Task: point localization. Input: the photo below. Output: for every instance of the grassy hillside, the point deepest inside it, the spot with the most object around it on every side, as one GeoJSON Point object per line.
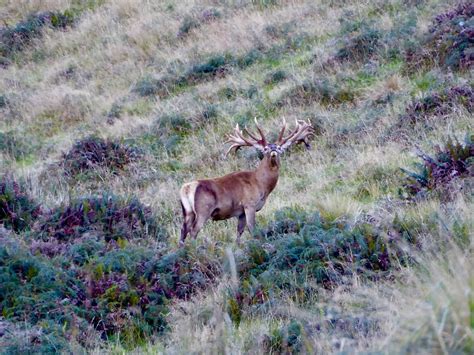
{"type": "Point", "coordinates": [107, 107]}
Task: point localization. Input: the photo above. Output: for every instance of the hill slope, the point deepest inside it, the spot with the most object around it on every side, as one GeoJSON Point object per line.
{"type": "Point", "coordinates": [107, 107]}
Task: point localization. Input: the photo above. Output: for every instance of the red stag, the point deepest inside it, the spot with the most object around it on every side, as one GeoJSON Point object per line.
{"type": "Point", "coordinates": [239, 194]}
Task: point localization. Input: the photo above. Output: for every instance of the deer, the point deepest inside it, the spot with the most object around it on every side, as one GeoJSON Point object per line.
{"type": "Point", "coordinates": [243, 193]}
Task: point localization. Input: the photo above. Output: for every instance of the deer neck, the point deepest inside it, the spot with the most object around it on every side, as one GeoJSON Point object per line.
{"type": "Point", "coordinates": [267, 173]}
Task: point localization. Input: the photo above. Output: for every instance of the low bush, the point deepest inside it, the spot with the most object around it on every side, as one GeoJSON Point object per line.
{"type": "Point", "coordinates": [152, 86]}
{"type": "Point", "coordinates": [80, 279]}
{"type": "Point", "coordinates": [3, 101]}
{"type": "Point", "coordinates": [213, 66]}
{"type": "Point", "coordinates": [18, 210]}
{"type": "Point", "coordinates": [115, 111]}
{"type": "Point", "coordinates": [14, 39]}
{"type": "Point", "coordinates": [217, 65]}
{"type": "Point", "coordinates": [27, 339]}
{"type": "Point", "coordinates": [324, 92]}
{"type": "Point", "coordinates": [192, 22]}
{"type": "Point", "coordinates": [189, 23]}
{"type": "Point", "coordinates": [440, 103]}
{"type": "Point", "coordinates": [436, 173]}
{"type": "Point", "coordinates": [434, 105]}
{"type": "Point", "coordinates": [449, 42]}
{"type": "Point", "coordinates": [298, 252]}
{"type": "Point", "coordinates": [275, 77]}
{"type": "Point", "coordinates": [285, 340]}
{"type": "Point", "coordinates": [173, 122]}
{"type": "Point", "coordinates": [109, 216]}
{"type": "Point", "coordinates": [359, 45]}
{"type": "Point", "coordinates": [207, 113]}
{"type": "Point", "coordinates": [93, 152]}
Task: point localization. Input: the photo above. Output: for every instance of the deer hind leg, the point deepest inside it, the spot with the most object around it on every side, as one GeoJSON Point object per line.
{"type": "Point", "coordinates": [198, 224]}
{"type": "Point", "coordinates": [187, 194]}
{"type": "Point", "coordinates": [240, 226]}
{"type": "Point", "coordinates": [188, 220]}
{"type": "Point", "coordinates": [204, 207]}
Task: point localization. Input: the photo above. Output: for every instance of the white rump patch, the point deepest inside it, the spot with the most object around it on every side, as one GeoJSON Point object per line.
{"type": "Point", "coordinates": [187, 193]}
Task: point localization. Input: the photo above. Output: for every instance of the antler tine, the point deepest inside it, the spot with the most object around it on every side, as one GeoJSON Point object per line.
{"type": "Point", "coordinates": [250, 134]}
{"type": "Point", "coordinates": [264, 141]}
{"type": "Point", "coordinates": [301, 132]}
{"type": "Point", "coordinates": [280, 136]}
{"type": "Point", "coordinates": [291, 134]}
{"type": "Point", "coordinates": [238, 140]}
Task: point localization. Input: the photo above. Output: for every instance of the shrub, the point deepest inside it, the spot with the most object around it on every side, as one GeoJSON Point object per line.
{"type": "Point", "coordinates": [214, 66]}
{"type": "Point", "coordinates": [14, 39]}
{"type": "Point", "coordinates": [449, 41]}
{"type": "Point", "coordinates": [441, 103]}
{"type": "Point", "coordinates": [227, 93]}
{"type": "Point", "coordinates": [18, 210]}
{"type": "Point", "coordinates": [435, 104]}
{"type": "Point", "coordinates": [189, 23]}
{"type": "Point", "coordinates": [192, 22]}
{"type": "Point", "coordinates": [3, 101]}
{"type": "Point", "coordinates": [207, 113]}
{"type": "Point", "coordinates": [94, 286]}
{"type": "Point", "coordinates": [299, 250]}
{"type": "Point", "coordinates": [360, 45]}
{"type": "Point", "coordinates": [249, 58]}
{"type": "Point", "coordinates": [33, 291]}
{"type": "Point", "coordinates": [93, 152]}
{"type": "Point", "coordinates": [275, 77]}
{"type": "Point", "coordinates": [173, 122]}
{"type": "Point", "coordinates": [324, 92]}
{"type": "Point", "coordinates": [26, 339]}
{"type": "Point", "coordinates": [286, 339]}
{"type": "Point", "coordinates": [151, 86]}
{"type": "Point", "coordinates": [11, 146]}
{"type": "Point", "coordinates": [453, 162]}
{"type": "Point", "coordinates": [108, 216]}
{"type": "Point", "coordinates": [115, 111]}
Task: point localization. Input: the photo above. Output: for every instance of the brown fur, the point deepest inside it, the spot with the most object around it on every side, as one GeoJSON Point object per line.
{"type": "Point", "coordinates": [239, 194]}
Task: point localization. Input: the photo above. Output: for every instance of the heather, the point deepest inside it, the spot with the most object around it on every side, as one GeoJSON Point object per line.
{"type": "Point", "coordinates": [93, 153]}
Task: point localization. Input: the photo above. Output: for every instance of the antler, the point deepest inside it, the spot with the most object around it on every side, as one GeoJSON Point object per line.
{"type": "Point", "coordinates": [300, 134]}
{"type": "Point", "coordinates": [238, 140]}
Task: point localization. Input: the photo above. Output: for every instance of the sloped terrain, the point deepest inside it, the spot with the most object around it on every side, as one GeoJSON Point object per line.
{"type": "Point", "coordinates": [107, 107]}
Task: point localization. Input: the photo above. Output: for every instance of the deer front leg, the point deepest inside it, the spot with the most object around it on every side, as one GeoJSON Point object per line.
{"type": "Point", "coordinates": [240, 226]}
{"type": "Point", "coordinates": [250, 217]}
